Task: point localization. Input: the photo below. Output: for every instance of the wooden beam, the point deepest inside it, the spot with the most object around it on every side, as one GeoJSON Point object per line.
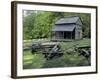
{"type": "Point", "coordinates": [63, 34]}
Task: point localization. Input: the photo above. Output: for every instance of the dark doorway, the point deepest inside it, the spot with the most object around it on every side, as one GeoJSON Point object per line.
{"type": "Point", "coordinates": [73, 34]}
{"type": "Point", "coordinates": [67, 35]}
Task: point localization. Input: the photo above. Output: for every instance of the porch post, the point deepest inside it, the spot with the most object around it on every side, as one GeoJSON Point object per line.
{"type": "Point", "coordinates": [63, 34]}
{"type": "Point", "coordinates": [71, 35]}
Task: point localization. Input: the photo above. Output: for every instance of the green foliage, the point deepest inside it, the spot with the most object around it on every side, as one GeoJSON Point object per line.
{"type": "Point", "coordinates": [38, 24]}
{"type": "Point", "coordinates": [28, 26]}
{"type": "Point", "coordinates": [42, 26]}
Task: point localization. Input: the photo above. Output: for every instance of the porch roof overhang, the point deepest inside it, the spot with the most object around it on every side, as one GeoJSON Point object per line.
{"type": "Point", "coordinates": [63, 28]}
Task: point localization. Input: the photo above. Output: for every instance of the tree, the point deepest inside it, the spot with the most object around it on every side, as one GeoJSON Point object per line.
{"type": "Point", "coordinates": [28, 26]}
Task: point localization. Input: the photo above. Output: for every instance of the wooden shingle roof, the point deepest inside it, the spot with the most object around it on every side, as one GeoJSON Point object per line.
{"type": "Point", "coordinates": [67, 20]}
{"type": "Point", "coordinates": [70, 27]}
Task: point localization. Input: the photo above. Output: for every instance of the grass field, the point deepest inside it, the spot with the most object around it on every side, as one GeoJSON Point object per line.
{"type": "Point", "coordinates": [31, 61]}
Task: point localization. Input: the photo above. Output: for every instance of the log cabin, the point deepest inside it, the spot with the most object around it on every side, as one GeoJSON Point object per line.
{"type": "Point", "coordinates": [69, 28]}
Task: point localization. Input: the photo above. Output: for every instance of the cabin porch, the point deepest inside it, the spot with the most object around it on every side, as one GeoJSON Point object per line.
{"type": "Point", "coordinates": [63, 35]}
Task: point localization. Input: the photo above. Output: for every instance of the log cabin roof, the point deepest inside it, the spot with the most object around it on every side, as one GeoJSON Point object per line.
{"type": "Point", "coordinates": [67, 20]}
{"type": "Point", "coordinates": [64, 27]}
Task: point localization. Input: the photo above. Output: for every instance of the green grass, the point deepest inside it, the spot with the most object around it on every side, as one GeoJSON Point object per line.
{"type": "Point", "coordinates": [31, 61]}
{"type": "Point", "coordinates": [70, 44]}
